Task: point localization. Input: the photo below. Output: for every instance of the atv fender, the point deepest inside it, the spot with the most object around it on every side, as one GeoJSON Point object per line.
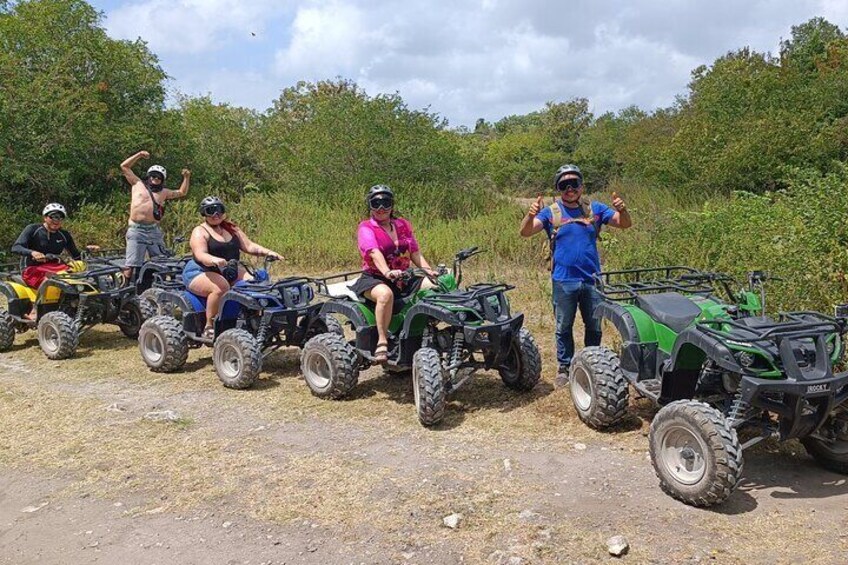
{"type": "Point", "coordinates": [691, 349]}
{"type": "Point", "coordinates": [639, 359]}
{"type": "Point", "coordinates": [366, 334]}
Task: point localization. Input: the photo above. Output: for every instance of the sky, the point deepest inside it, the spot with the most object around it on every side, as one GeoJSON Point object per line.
{"type": "Point", "coordinates": [461, 59]}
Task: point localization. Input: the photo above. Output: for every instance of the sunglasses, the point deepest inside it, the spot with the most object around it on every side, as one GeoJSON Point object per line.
{"type": "Point", "coordinates": [381, 203]}
{"type": "Point", "coordinates": [56, 216]}
{"type": "Point", "coordinates": [157, 176]}
{"type": "Point", "coordinates": [214, 210]}
{"type": "Point", "coordinates": [569, 184]}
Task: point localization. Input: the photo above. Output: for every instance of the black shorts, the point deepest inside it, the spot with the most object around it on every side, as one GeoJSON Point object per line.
{"type": "Point", "coordinates": [367, 281]}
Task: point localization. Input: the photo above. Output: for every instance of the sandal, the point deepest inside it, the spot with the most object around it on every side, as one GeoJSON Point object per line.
{"type": "Point", "coordinates": [208, 333]}
{"type": "Point", "coordinates": [381, 353]}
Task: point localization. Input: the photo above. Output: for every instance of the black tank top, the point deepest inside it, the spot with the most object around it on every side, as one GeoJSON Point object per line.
{"type": "Point", "coordinates": [228, 250]}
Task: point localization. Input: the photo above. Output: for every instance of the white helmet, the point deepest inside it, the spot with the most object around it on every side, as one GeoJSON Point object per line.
{"type": "Point", "coordinates": [54, 207]}
{"type": "Point", "coordinates": [158, 169]}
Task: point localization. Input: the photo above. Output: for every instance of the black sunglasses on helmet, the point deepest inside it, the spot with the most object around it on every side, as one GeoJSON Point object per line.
{"type": "Point", "coordinates": [566, 184]}
{"type": "Point", "coordinates": [213, 210]}
{"type": "Point", "coordinates": [381, 202]}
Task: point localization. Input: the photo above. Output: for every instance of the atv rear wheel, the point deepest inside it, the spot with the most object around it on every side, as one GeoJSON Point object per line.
{"type": "Point", "coordinates": [58, 335]}
{"type": "Point", "coordinates": [428, 386]}
{"type": "Point", "coordinates": [163, 344]}
{"type": "Point", "coordinates": [695, 453]}
{"type": "Point", "coordinates": [599, 390]}
{"type": "Point", "coordinates": [830, 455]}
{"type": "Point", "coordinates": [149, 302]}
{"type": "Point", "coordinates": [237, 357]}
{"type": "Point", "coordinates": [329, 365]}
{"type": "Point", "coordinates": [7, 330]}
{"type": "Point", "coordinates": [522, 368]}
{"type": "Point", "coordinates": [130, 318]}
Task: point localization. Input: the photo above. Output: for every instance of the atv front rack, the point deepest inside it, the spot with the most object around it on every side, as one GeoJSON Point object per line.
{"type": "Point", "coordinates": [478, 294]}
{"type": "Point", "coordinates": [628, 284]}
{"type": "Point", "coordinates": [789, 325]}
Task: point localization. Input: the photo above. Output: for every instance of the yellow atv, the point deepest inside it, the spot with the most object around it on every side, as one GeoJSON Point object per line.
{"type": "Point", "coordinates": [66, 305]}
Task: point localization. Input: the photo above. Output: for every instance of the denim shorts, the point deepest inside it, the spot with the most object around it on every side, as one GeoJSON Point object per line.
{"type": "Point", "coordinates": [191, 271]}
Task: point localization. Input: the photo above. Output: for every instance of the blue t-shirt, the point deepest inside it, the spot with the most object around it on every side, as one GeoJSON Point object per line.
{"type": "Point", "coordinates": [576, 252]}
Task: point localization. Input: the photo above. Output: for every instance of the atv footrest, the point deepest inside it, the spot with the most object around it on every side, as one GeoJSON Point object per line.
{"type": "Point", "coordinates": [649, 388]}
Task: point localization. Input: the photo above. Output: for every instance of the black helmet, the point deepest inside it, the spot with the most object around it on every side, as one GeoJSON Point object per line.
{"type": "Point", "coordinates": [567, 170]}
{"type": "Point", "coordinates": [377, 190]}
{"type": "Point", "coordinates": [208, 202]}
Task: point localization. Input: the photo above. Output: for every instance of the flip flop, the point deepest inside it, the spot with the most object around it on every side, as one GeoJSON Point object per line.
{"type": "Point", "coordinates": [381, 353]}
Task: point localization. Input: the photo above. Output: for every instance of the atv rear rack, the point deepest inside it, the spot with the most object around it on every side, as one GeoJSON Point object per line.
{"type": "Point", "coordinates": [628, 284]}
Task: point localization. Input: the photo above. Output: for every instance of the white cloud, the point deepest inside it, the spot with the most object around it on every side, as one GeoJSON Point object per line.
{"type": "Point", "coordinates": [464, 59]}
{"type": "Point", "coordinates": [190, 26]}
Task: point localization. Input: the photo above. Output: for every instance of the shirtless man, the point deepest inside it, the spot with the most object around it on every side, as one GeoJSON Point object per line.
{"type": "Point", "coordinates": [144, 237]}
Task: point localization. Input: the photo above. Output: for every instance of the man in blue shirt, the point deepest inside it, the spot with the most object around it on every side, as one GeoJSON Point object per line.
{"type": "Point", "coordinates": [573, 223]}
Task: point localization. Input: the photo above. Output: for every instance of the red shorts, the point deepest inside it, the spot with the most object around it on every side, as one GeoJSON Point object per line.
{"type": "Point", "coordinates": [34, 275]}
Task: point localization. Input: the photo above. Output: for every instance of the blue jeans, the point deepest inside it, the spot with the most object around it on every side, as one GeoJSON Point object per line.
{"type": "Point", "coordinates": [567, 297]}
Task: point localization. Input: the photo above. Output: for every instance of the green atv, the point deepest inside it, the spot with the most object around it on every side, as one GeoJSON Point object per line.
{"type": "Point", "coordinates": [442, 334]}
{"type": "Point", "coordinates": [715, 363]}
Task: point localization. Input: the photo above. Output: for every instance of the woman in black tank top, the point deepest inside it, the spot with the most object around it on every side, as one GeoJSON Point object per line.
{"type": "Point", "coordinates": [216, 246]}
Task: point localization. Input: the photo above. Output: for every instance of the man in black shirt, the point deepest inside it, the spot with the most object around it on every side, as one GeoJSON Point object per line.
{"type": "Point", "coordinates": [48, 238]}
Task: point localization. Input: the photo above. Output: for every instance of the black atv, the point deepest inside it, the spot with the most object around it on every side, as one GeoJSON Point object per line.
{"type": "Point", "coordinates": [256, 318]}
{"type": "Point", "coordinates": [715, 363]}
{"type": "Point", "coordinates": [66, 305]}
{"type": "Point", "coordinates": [443, 334]}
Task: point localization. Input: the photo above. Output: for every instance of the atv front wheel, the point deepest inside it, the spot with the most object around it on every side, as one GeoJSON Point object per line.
{"type": "Point", "coordinates": [130, 318]}
{"type": "Point", "coordinates": [7, 330]}
{"type": "Point", "coordinates": [330, 366]}
{"type": "Point", "coordinates": [237, 357]}
{"type": "Point", "coordinates": [163, 344]}
{"type": "Point", "coordinates": [695, 453]}
{"type": "Point", "coordinates": [598, 388]}
{"type": "Point", "coordinates": [522, 368]}
{"type": "Point", "coordinates": [428, 386]}
{"type": "Point", "coordinates": [323, 325]}
{"type": "Point", "coordinates": [832, 455]}
{"type": "Point", "coordinates": [58, 335]}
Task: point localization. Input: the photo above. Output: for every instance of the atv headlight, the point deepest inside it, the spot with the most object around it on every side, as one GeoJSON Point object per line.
{"type": "Point", "coordinates": [746, 359]}
{"type": "Point", "coordinates": [263, 302]}
{"type": "Point", "coordinates": [831, 346]}
{"type": "Point", "coordinates": [461, 316]}
{"type": "Point", "coordinates": [80, 287]}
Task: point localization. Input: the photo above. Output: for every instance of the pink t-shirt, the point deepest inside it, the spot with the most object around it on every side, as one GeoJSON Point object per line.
{"type": "Point", "coordinates": [371, 236]}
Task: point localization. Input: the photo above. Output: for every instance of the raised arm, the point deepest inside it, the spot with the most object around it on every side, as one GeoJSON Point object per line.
{"type": "Point", "coordinates": [530, 224]}
{"type": "Point", "coordinates": [129, 163]}
{"type": "Point", "coordinates": [183, 190]}
{"type": "Point", "coordinates": [621, 218]}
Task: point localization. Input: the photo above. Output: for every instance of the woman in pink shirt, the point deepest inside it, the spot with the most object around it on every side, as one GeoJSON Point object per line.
{"type": "Point", "coordinates": [388, 247]}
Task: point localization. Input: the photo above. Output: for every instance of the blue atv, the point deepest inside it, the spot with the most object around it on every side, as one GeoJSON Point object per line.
{"type": "Point", "coordinates": [257, 317]}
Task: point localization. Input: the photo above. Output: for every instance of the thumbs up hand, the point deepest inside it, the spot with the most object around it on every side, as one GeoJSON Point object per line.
{"type": "Point", "coordinates": [617, 202]}
{"type": "Point", "coordinates": [536, 206]}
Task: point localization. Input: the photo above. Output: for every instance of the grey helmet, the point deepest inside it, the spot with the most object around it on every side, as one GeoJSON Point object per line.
{"type": "Point", "coordinates": [567, 170]}
{"type": "Point", "coordinates": [208, 202]}
{"type": "Point", "coordinates": [377, 190]}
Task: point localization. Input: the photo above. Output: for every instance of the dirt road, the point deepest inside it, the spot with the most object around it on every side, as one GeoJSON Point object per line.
{"type": "Point", "coordinates": [274, 475]}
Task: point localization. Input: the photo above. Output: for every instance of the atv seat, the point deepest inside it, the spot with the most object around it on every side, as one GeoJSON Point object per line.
{"type": "Point", "coordinates": [342, 290]}
{"type": "Point", "coordinates": [671, 309]}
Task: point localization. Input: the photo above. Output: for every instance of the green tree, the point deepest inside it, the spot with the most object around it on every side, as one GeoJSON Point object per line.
{"type": "Point", "coordinates": [72, 102]}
